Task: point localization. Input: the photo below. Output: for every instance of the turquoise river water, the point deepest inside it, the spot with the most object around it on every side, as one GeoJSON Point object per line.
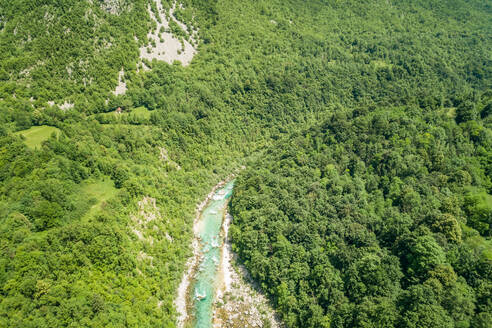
{"type": "Point", "coordinates": [205, 281]}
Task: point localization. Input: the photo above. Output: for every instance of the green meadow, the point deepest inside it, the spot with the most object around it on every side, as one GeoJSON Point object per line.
{"type": "Point", "coordinates": [35, 135]}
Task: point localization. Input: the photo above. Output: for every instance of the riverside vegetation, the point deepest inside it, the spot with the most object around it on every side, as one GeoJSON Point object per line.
{"type": "Point", "coordinates": [365, 127]}
{"type": "Point", "coordinates": [374, 218]}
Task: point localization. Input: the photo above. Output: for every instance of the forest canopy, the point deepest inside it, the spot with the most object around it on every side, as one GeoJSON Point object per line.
{"type": "Point", "coordinates": [375, 217]}
{"type": "Point", "coordinates": [364, 125]}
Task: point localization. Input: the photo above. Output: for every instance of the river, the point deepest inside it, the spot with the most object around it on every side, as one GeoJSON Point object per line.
{"type": "Point", "coordinates": [205, 282]}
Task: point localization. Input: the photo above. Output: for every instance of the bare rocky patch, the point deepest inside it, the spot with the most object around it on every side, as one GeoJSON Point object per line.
{"type": "Point", "coordinates": [164, 156]}
{"type": "Point", "coordinates": [147, 212]}
{"type": "Point", "coordinates": [121, 87]}
{"type": "Point", "coordinates": [163, 44]}
{"type": "Point", "coordinates": [65, 106]}
{"type": "Point", "coordinates": [114, 7]}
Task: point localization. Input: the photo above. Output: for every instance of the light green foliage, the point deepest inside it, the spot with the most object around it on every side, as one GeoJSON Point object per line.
{"type": "Point", "coordinates": [478, 205]}
{"type": "Point", "coordinates": [99, 192]}
{"type": "Point", "coordinates": [35, 136]}
{"type": "Point", "coordinates": [480, 244]}
{"type": "Point", "coordinates": [52, 51]}
{"type": "Point", "coordinates": [265, 71]}
{"type": "Point", "coordinates": [139, 115]}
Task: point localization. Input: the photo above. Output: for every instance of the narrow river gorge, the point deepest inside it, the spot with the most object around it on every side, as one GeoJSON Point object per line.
{"type": "Point", "coordinates": [206, 278]}
{"type": "Point", "coordinates": [213, 293]}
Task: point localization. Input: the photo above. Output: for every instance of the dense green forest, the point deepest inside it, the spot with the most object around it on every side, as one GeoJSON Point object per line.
{"type": "Point", "coordinates": [369, 123]}
{"type": "Point", "coordinates": [374, 218]}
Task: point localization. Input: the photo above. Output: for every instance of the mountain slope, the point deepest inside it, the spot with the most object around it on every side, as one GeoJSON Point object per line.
{"type": "Point", "coordinates": [364, 220]}
{"type": "Point", "coordinates": [264, 69]}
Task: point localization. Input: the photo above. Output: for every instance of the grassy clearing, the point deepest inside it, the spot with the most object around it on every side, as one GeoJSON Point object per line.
{"type": "Point", "coordinates": [99, 191]}
{"type": "Point", "coordinates": [140, 113]}
{"type": "Point", "coordinates": [37, 134]}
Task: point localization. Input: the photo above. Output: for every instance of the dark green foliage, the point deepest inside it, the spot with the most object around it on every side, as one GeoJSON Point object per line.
{"type": "Point", "coordinates": [359, 218]}
{"type": "Point", "coordinates": [367, 214]}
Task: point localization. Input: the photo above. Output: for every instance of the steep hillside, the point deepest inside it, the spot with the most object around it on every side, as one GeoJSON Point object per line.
{"type": "Point", "coordinates": [95, 219]}
{"type": "Point", "coordinates": [373, 218]}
